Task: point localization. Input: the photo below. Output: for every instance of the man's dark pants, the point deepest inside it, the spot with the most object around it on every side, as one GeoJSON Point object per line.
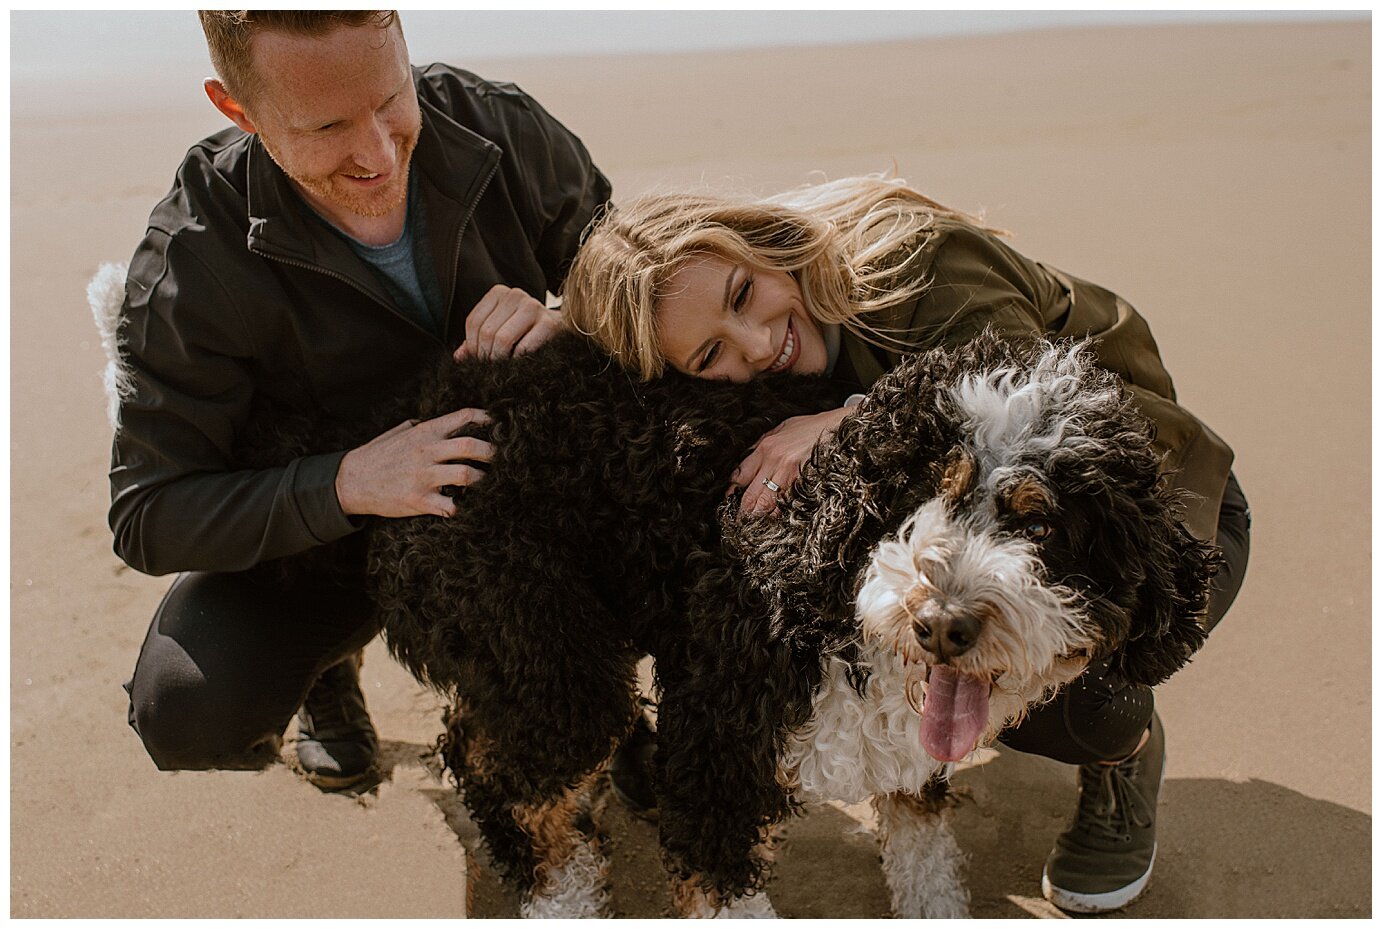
{"type": "Point", "coordinates": [230, 657]}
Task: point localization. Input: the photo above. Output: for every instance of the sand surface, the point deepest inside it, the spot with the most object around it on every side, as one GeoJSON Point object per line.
{"type": "Point", "coordinates": [1216, 176]}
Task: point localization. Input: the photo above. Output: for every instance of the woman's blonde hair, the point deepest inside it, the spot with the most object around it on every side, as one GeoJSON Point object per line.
{"type": "Point", "coordinates": [851, 245]}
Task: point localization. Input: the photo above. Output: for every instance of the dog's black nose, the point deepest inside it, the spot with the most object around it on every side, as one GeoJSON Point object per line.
{"type": "Point", "coordinates": [946, 633]}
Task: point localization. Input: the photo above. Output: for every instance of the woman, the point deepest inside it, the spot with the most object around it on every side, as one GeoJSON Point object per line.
{"type": "Point", "coordinates": [845, 278]}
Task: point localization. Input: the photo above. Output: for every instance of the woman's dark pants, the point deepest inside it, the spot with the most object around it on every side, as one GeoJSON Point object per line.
{"type": "Point", "coordinates": [1101, 717]}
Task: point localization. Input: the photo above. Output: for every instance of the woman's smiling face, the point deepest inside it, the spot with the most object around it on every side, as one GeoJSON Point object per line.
{"type": "Point", "coordinates": [737, 322]}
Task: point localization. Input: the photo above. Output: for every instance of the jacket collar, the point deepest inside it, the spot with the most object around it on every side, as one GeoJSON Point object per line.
{"type": "Point", "coordinates": [455, 161]}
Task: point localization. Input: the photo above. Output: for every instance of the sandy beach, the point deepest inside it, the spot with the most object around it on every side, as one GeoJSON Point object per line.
{"type": "Point", "coordinates": [1218, 176]}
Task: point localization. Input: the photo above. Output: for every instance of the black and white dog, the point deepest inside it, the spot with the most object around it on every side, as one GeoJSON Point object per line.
{"type": "Point", "coordinates": [986, 522]}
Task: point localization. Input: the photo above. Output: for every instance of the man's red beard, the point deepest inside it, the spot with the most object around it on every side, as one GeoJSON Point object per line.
{"type": "Point", "coordinates": [372, 203]}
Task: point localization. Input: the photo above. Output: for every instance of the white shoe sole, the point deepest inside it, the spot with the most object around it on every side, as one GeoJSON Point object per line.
{"type": "Point", "coordinates": [1096, 903]}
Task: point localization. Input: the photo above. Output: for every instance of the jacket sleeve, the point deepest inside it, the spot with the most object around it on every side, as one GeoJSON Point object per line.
{"type": "Point", "coordinates": [978, 280]}
{"type": "Point", "coordinates": [564, 187]}
{"type": "Point", "coordinates": [178, 503]}
{"type": "Point", "coordinates": [555, 185]}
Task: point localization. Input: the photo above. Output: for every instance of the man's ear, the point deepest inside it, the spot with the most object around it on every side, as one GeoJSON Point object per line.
{"type": "Point", "coordinates": [223, 101]}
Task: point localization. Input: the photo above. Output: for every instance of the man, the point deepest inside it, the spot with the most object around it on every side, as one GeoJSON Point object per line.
{"type": "Point", "coordinates": [359, 216]}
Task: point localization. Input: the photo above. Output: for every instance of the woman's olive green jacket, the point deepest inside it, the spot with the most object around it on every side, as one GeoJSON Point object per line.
{"type": "Point", "coordinates": [976, 280]}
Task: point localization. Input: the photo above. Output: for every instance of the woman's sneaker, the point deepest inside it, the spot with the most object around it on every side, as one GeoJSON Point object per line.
{"type": "Point", "coordinates": [1105, 860]}
{"type": "Point", "coordinates": [336, 740]}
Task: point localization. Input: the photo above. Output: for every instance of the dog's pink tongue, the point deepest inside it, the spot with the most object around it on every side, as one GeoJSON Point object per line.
{"type": "Point", "coordinates": [954, 714]}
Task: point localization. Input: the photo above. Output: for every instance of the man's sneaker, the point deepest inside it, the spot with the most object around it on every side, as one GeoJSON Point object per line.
{"type": "Point", "coordinates": [336, 740]}
{"type": "Point", "coordinates": [1104, 861]}
{"type": "Point", "coordinates": [630, 770]}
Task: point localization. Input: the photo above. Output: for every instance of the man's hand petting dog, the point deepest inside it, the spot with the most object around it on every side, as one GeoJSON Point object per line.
{"type": "Point", "coordinates": [415, 468]}
{"type": "Point", "coordinates": [405, 471]}
{"type": "Point", "coordinates": [773, 465]}
{"type": "Point", "coordinates": [507, 321]}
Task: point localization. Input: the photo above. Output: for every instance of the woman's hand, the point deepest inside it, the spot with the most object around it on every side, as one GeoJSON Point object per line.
{"type": "Point", "coordinates": [778, 457]}
{"type": "Point", "coordinates": [507, 321]}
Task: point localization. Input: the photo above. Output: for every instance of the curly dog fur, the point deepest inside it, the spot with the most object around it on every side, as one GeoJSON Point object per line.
{"type": "Point", "coordinates": [992, 514]}
{"type": "Point", "coordinates": [570, 560]}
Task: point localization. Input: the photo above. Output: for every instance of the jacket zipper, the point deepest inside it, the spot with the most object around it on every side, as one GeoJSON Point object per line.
{"type": "Point", "coordinates": [460, 233]}
{"type": "Point", "coordinates": [345, 280]}
{"type": "Point", "coordinates": [455, 265]}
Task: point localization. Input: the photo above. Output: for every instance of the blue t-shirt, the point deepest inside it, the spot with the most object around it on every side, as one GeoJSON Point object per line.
{"type": "Point", "coordinates": [405, 266]}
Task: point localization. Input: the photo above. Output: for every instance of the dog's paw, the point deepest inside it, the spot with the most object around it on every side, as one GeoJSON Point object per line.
{"type": "Point", "coordinates": [576, 889]}
{"type": "Point", "coordinates": [757, 906]}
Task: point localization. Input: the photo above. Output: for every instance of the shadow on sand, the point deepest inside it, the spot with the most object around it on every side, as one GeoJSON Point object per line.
{"type": "Point", "coordinates": [1225, 849]}
{"type": "Point", "coordinates": [1253, 858]}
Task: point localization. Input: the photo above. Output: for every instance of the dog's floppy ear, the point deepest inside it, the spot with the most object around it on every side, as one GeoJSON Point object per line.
{"type": "Point", "coordinates": [807, 560]}
{"type": "Point", "coordinates": [885, 460]}
{"type": "Point", "coordinates": [1168, 617]}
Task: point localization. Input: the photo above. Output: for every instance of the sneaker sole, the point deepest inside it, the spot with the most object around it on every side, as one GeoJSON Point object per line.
{"type": "Point", "coordinates": [330, 782]}
{"type": "Point", "coordinates": [323, 780]}
{"type": "Point", "coordinates": [1096, 903]}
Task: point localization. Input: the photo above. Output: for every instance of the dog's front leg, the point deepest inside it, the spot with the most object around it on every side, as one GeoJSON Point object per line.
{"type": "Point", "coordinates": [539, 845]}
{"type": "Point", "coordinates": [571, 878]}
{"type": "Point", "coordinates": [921, 860]}
{"type": "Point", "coordinates": [718, 793]}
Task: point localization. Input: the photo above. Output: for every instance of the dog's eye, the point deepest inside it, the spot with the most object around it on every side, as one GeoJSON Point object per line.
{"type": "Point", "coordinates": [1038, 530]}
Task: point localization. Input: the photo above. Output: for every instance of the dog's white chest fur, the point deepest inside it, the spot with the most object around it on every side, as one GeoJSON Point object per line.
{"type": "Point", "coordinates": [857, 746]}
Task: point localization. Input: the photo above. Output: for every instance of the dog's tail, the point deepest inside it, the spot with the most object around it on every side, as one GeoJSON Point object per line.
{"type": "Point", "coordinates": [106, 295]}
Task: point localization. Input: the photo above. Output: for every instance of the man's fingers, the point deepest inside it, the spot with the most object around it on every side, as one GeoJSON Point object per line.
{"type": "Point", "coordinates": [506, 321]}
{"type": "Point", "coordinates": [466, 448]}
{"type": "Point", "coordinates": [478, 314]}
{"type": "Point", "coordinates": [548, 324]}
{"type": "Point", "coordinates": [439, 504]}
{"type": "Point", "coordinates": [506, 336]}
{"type": "Point", "coordinates": [515, 314]}
{"type": "Point", "coordinates": [402, 472]}
{"type": "Point", "coordinates": [448, 423]}
{"type": "Point", "coordinates": [456, 475]}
